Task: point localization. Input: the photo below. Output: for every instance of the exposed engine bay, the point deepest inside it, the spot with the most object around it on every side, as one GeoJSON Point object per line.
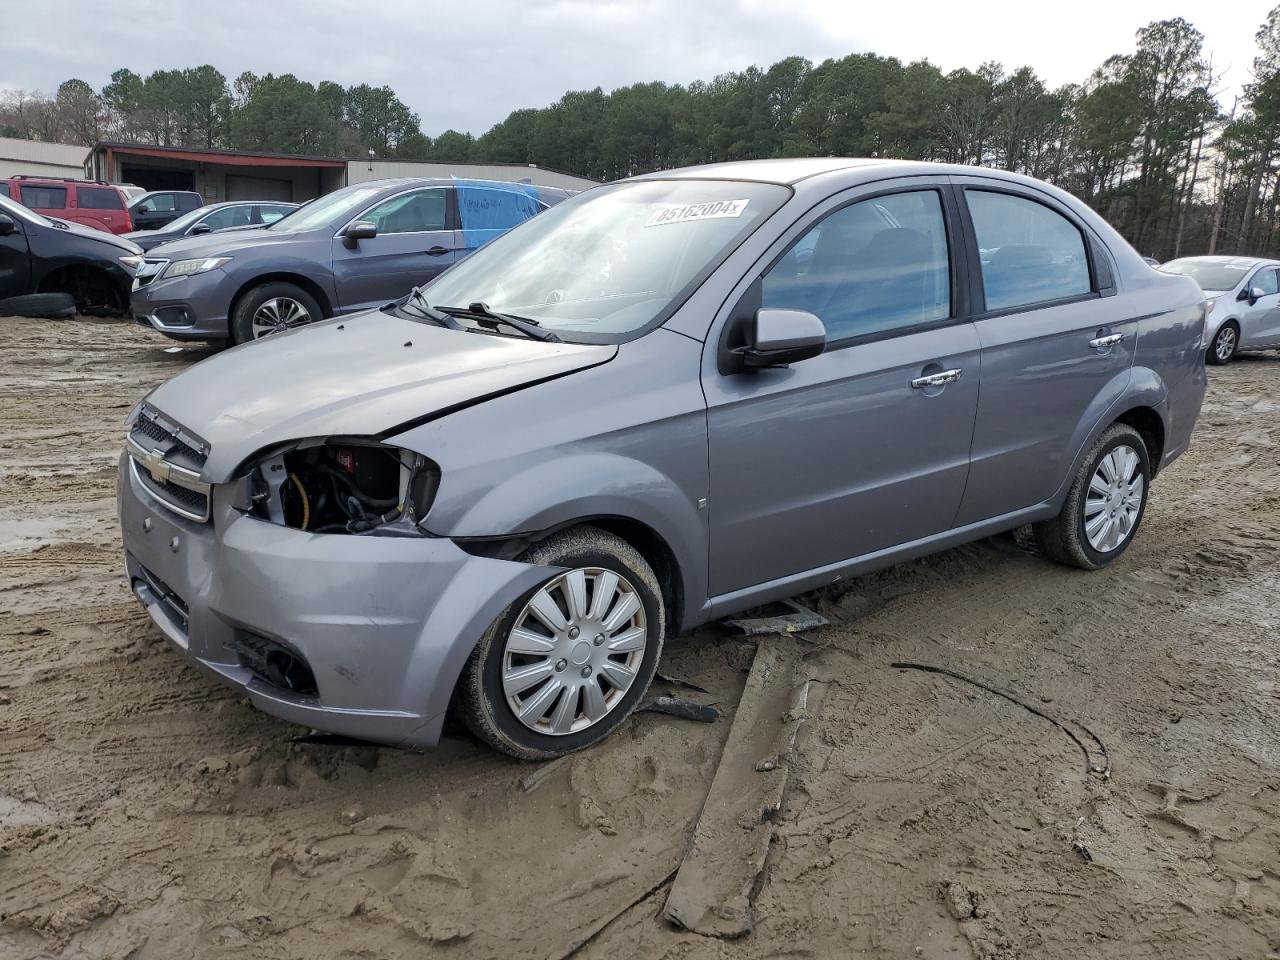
{"type": "Point", "coordinates": [344, 486]}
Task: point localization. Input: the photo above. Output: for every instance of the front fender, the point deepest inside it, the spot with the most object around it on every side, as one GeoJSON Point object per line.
{"type": "Point", "coordinates": [592, 485]}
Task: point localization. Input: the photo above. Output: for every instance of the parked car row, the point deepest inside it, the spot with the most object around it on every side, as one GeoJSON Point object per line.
{"type": "Point", "coordinates": [661, 402]}
{"type": "Point", "coordinates": [115, 208]}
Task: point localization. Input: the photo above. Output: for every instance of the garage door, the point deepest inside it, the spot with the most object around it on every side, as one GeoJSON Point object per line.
{"type": "Point", "coordinates": [258, 188]}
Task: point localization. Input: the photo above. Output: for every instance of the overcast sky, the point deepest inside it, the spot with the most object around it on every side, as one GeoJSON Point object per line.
{"type": "Point", "coordinates": [467, 65]}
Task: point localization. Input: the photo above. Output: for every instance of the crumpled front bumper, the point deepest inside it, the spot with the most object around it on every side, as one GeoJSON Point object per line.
{"type": "Point", "coordinates": [385, 624]}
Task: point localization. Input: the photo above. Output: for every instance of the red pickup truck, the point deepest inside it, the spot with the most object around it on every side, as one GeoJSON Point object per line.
{"type": "Point", "coordinates": [86, 202]}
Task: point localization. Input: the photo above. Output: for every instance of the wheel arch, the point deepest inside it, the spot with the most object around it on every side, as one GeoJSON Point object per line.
{"type": "Point", "coordinates": [1151, 427]}
{"type": "Point", "coordinates": [280, 276]}
{"type": "Point", "coordinates": [647, 541]}
{"type": "Point", "coordinates": [71, 278]}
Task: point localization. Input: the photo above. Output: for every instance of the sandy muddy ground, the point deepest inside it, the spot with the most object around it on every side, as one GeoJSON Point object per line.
{"type": "Point", "coordinates": [147, 813]}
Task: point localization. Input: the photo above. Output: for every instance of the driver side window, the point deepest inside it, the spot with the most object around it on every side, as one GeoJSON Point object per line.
{"type": "Point", "coordinates": [416, 212]}
{"type": "Point", "coordinates": [1266, 279]}
{"type": "Point", "coordinates": [878, 265]}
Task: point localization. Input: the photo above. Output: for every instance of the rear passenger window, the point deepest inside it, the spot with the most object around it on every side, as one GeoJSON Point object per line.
{"type": "Point", "coordinates": [98, 198]}
{"type": "Point", "coordinates": [44, 198]}
{"type": "Point", "coordinates": [1030, 254]}
{"type": "Point", "coordinates": [874, 266]}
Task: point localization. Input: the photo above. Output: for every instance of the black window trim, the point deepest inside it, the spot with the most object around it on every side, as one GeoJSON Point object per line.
{"type": "Point", "coordinates": [974, 271]}
{"type": "Point", "coordinates": [956, 250]}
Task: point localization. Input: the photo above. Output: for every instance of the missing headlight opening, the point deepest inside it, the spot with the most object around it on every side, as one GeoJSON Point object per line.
{"type": "Point", "coordinates": [348, 487]}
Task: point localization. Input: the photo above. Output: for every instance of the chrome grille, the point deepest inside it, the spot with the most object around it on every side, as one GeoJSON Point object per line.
{"type": "Point", "coordinates": [189, 503]}
{"type": "Point", "coordinates": [149, 433]}
{"type": "Point", "coordinates": [166, 461]}
{"type": "Point", "coordinates": [148, 270]}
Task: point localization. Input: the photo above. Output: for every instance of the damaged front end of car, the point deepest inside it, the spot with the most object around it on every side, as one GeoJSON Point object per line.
{"type": "Point", "coordinates": [339, 485]}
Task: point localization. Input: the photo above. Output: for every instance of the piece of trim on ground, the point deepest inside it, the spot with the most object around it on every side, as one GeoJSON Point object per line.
{"type": "Point", "coordinates": [715, 888]}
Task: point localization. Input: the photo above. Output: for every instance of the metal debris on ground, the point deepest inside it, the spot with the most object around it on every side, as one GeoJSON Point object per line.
{"type": "Point", "coordinates": [785, 616]}
{"type": "Point", "coordinates": [680, 707]}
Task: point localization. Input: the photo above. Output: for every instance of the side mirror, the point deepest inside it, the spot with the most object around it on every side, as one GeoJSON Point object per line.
{"type": "Point", "coordinates": [782, 337]}
{"type": "Point", "coordinates": [359, 230]}
{"type": "Point", "coordinates": [8, 226]}
{"type": "Point", "coordinates": [200, 228]}
{"type": "Point", "coordinates": [142, 208]}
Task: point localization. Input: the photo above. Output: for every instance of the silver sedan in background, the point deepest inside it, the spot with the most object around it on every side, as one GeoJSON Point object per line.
{"type": "Point", "coordinates": [1244, 302]}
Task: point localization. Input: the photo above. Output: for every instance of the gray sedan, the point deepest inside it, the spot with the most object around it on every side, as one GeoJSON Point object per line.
{"type": "Point", "coordinates": [659, 403]}
{"type": "Point", "coordinates": [347, 251]}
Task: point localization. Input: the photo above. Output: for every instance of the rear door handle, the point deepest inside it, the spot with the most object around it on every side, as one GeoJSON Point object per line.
{"type": "Point", "coordinates": [438, 251]}
{"type": "Point", "coordinates": [940, 379]}
{"type": "Point", "coordinates": [1110, 340]}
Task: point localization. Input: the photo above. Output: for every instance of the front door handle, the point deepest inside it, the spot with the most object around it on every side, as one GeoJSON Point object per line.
{"type": "Point", "coordinates": [940, 379]}
{"type": "Point", "coordinates": [437, 251]}
{"type": "Point", "coordinates": [1109, 340]}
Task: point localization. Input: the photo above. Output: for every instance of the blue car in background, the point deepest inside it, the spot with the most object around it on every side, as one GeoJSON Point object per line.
{"type": "Point", "coordinates": [355, 248]}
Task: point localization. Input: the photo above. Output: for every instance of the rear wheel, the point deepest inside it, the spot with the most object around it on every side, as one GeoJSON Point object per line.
{"type": "Point", "coordinates": [1105, 504]}
{"type": "Point", "coordinates": [564, 665]}
{"type": "Point", "coordinates": [1225, 343]}
{"type": "Point", "coordinates": [271, 308]}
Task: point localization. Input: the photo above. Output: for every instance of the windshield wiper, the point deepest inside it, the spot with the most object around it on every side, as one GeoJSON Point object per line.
{"type": "Point", "coordinates": [480, 312]}
{"type": "Point", "coordinates": [416, 303]}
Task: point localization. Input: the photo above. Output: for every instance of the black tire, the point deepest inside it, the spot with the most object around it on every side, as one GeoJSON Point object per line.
{"type": "Point", "coordinates": [1224, 346]}
{"type": "Point", "coordinates": [39, 305]}
{"type": "Point", "coordinates": [480, 699]}
{"type": "Point", "coordinates": [242, 316]}
{"type": "Point", "coordinates": [1064, 538]}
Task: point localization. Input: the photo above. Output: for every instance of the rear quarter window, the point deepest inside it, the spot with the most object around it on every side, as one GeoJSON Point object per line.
{"type": "Point", "coordinates": [98, 198]}
{"type": "Point", "coordinates": [44, 198]}
{"type": "Point", "coordinates": [4, 190]}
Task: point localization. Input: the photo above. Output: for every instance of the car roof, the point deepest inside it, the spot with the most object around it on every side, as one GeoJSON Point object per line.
{"type": "Point", "coordinates": [1226, 259]}
{"type": "Point", "coordinates": [780, 170]}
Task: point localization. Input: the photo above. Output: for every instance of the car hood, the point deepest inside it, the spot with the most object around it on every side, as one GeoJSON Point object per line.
{"type": "Point", "coordinates": [110, 239]}
{"type": "Point", "coordinates": [220, 244]}
{"type": "Point", "coordinates": [367, 374]}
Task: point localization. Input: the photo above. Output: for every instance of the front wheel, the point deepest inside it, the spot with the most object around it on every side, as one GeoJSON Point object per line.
{"type": "Point", "coordinates": [1225, 343]}
{"type": "Point", "coordinates": [271, 308]}
{"type": "Point", "coordinates": [564, 665]}
{"type": "Point", "coordinates": [1105, 504]}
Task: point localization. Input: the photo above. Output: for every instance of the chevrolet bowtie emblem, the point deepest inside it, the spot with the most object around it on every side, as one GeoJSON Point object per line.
{"type": "Point", "coordinates": [156, 466]}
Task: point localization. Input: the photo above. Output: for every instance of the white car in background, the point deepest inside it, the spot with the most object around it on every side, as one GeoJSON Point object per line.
{"type": "Point", "coordinates": [1244, 302]}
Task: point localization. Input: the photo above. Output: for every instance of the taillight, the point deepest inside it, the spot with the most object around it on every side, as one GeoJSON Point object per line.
{"type": "Point", "coordinates": [1206, 308]}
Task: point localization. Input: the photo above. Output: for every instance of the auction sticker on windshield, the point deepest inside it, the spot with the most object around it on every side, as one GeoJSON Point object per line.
{"type": "Point", "coordinates": [683, 213]}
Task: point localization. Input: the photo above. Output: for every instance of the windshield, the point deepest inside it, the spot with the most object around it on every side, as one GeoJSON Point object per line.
{"type": "Point", "coordinates": [320, 212]}
{"type": "Point", "coordinates": [1211, 274]}
{"type": "Point", "coordinates": [187, 219]}
{"type": "Point", "coordinates": [15, 209]}
{"type": "Point", "coordinates": [611, 261]}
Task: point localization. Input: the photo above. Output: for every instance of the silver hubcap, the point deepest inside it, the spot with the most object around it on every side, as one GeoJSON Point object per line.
{"type": "Point", "coordinates": [1226, 343]}
{"type": "Point", "coordinates": [1115, 499]}
{"type": "Point", "coordinates": [574, 651]}
{"type": "Point", "coordinates": [277, 315]}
